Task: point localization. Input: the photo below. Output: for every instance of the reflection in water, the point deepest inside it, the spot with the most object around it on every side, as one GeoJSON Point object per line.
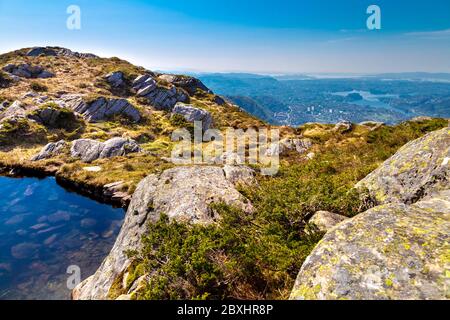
{"type": "Point", "coordinates": [43, 230]}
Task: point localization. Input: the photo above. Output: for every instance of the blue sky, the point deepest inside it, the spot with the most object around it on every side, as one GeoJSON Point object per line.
{"type": "Point", "coordinates": [247, 35]}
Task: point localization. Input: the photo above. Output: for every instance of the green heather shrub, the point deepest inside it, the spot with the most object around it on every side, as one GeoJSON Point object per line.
{"type": "Point", "coordinates": [258, 256]}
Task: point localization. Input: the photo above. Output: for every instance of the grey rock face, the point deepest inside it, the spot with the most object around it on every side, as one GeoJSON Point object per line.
{"type": "Point", "coordinates": [25, 70]}
{"type": "Point", "coordinates": [100, 109]}
{"type": "Point", "coordinates": [325, 220]}
{"type": "Point", "coordinates": [392, 251]}
{"type": "Point", "coordinates": [86, 149]}
{"type": "Point", "coordinates": [159, 97]}
{"type": "Point", "coordinates": [50, 150]}
{"type": "Point", "coordinates": [418, 169]}
{"type": "Point", "coordinates": [115, 79]}
{"type": "Point", "coordinates": [89, 150]}
{"type": "Point", "coordinates": [184, 194]}
{"type": "Point", "coordinates": [190, 84]}
{"type": "Point", "coordinates": [240, 175]}
{"type": "Point", "coordinates": [57, 51]}
{"type": "Point", "coordinates": [15, 110]}
{"type": "Point", "coordinates": [192, 114]}
{"type": "Point", "coordinates": [116, 147]}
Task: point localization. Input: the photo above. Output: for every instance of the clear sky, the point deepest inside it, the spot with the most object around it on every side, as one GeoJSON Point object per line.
{"type": "Point", "coordinates": [284, 36]}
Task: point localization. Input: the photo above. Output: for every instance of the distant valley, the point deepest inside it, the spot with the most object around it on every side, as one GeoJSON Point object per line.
{"type": "Point", "coordinates": [297, 99]}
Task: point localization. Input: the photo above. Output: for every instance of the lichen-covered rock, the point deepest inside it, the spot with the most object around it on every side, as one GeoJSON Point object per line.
{"type": "Point", "coordinates": [392, 251]}
{"type": "Point", "coordinates": [100, 109]}
{"type": "Point", "coordinates": [90, 150]}
{"type": "Point", "coordinates": [50, 150]}
{"type": "Point", "coordinates": [418, 169]}
{"type": "Point", "coordinates": [325, 220]}
{"type": "Point", "coordinates": [191, 114]}
{"type": "Point", "coordinates": [160, 98]}
{"type": "Point", "coordinates": [184, 194]}
{"type": "Point", "coordinates": [240, 175]}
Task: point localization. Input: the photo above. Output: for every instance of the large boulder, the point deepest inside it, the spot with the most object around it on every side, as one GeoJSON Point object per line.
{"type": "Point", "coordinates": [50, 150]}
{"type": "Point", "coordinates": [90, 150]}
{"type": "Point", "coordinates": [191, 114]}
{"type": "Point", "coordinates": [101, 108]}
{"type": "Point", "coordinates": [159, 97]}
{"type": "Point", "coordinates": [393, 251]}
{"type": "Point", "coordinates": [416, 170]}
{"type": "Point", "coordinates": [184, 194]}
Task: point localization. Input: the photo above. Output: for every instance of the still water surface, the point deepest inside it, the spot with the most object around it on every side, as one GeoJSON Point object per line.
{"type": "Point", "coordinates": [44, 229]}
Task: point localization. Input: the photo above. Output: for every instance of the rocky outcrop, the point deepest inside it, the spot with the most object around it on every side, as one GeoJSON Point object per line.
{"type": "Point", "coordinates": [101, 108]}
{"type": "Point", "coordinates": [416, 170]}
{"type": "Point", "coordinates": [25, 70]}
{"type": "Point", "coordinates": [392, 251]}
{"type": "Point", "coordinates": [57, 51]}
{"type": "Point", "coordinates": [190, 84]}
{"type": "Point", "coordinates": [15, 110]}
{"type": "Point", "coordinates": [89, 150]}
{"type": "Point", "coordinates": [325, 220]}
{"type": "Point", "coordinates": [191, 114]}
{"type": "Point", "coordinates": [50, 150]}
{"type": "Point", "coordinates": [286, 145]}
{"type": "Point", "coordinates": [184, 194]}
{"type": "Point", "coordinates": [116, 79]}
{"type": "Point", "coordinates": [53, 116]}
{"type": "Point", "coordinates": [240, 175]}
{"type": "Point", "coordinates": [160, 98]}
{"type": "Point", "coordinates": [397, 250]}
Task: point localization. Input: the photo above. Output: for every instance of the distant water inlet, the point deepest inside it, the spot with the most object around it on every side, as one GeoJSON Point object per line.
{"type": "Point", "coordinates": [44, 229]}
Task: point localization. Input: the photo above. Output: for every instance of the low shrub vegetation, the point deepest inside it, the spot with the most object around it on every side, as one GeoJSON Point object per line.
{"type": "Point", "coordinates": [258, 256]}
